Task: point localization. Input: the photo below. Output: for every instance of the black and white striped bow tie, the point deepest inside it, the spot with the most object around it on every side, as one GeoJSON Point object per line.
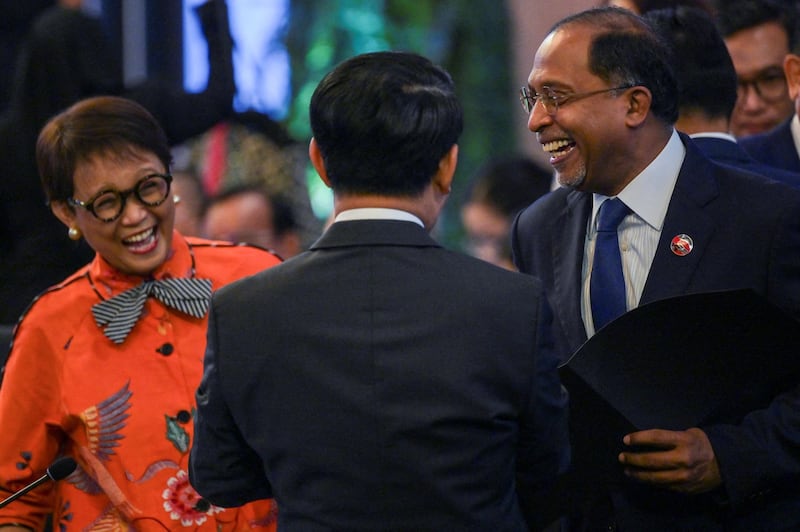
{"type": "Point", "coordinates": [120, 313]}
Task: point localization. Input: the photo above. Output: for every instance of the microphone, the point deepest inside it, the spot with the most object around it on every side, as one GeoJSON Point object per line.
{"type": "Point", "coordinates": [58, 470]}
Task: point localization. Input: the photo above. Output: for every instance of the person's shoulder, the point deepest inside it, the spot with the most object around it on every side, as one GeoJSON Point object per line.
{"type": "Point", "coordinates": [756, 177]}
{"type": "Point", "coordinates": [62, 302]}
{"type": "Point", "coordinates": [767, 138]}
{"type": "Point", "coordinates": [467, 268]}
{"type": "Point", "coordinates": [548, 205]}
{"type": "Point", "coordinates": [223, 248]}
{"type": "Point", "coordinates": [225, 262]}
{"type": "Point", "coordinates": [756, 194]}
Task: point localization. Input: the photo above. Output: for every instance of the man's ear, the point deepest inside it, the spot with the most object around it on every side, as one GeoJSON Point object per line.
{"type": "Point", "coordinates": [443, 179]}
{"type": "Point", "coordinates": [639, 100]}
{"type": "Point", "coordinates": [63, 212]}
{"type": "Point", "coordinates": [317, 160]}
{"type": "Point", "coordinates": [791, 68]}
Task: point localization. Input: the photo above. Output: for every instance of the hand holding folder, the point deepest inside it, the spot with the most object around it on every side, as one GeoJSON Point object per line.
{"type": "Point", "coordinates": [677, 363]}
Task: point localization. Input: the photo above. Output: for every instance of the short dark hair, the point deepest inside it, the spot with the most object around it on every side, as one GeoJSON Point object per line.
{"type": "Point", "coordinates": [107, 125]}
{"type": "Point", "coordinates": [706, 77]}
{"type": "Point", "coordinates": [737, 15]}
{"type": "Point", "coordinates": [383, 121]}
{"type": "Point", "coordinates": [625, 50]}
{"type": "Point", "coordinates": [509, 184]}
{"type": "Point", "coordinates": [645, 6]}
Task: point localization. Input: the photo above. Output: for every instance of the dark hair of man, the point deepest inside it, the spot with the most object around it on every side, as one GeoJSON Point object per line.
{"type": "Point", "coordinates": [105, 126]}
{"type": "Point", "coordinates": [625, 50]}
{"type": "Point", "coordinates": [645, 6]}
{"type": "Point", "coordinates": [706, 76]}
{"type": "Point", "coordinates": [383, 121]}
{"type": "Point", "coordinates": [509, 184]}
{"type": "Point", "coordinates": [737, 15]}
{"type": "Point", "coordinates": [283, 218]}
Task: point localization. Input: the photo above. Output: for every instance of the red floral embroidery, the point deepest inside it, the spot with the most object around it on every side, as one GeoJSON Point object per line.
{"type": "Point", "coordinates": [180, 499]}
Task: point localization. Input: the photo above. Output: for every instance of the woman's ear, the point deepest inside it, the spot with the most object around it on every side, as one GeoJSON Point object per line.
{"type": "Point", "coordinates": [318, 161]}
{"type": "Point", "coordinates": [63, 212]}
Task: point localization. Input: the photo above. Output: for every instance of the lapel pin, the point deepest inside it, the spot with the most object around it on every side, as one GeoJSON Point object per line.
{"type": "Point", "coordinates": [681, 245]}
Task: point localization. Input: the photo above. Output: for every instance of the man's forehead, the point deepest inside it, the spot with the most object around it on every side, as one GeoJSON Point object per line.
{"type": "Point", "coordinates": [563, 51]}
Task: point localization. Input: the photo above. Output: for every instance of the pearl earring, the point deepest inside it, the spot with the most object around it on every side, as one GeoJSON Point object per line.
{"type": "Point", "coordinates": [74, 233]}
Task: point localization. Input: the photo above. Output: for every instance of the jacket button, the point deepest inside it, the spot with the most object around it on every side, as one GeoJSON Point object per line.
{"type": "Point", "coordinates": [184, 416]}
{"type": "Point", "coordinates": [166, 349]}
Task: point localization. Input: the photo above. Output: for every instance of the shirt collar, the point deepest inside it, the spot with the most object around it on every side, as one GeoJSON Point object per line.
{"type": "Point", "coordinates": [377, 213]}
{"type": "Point", "coordinates": [713, 135]}
{"type": "Point", "coordinates": [648, 194]}
{"type": "Point", "coordinates": [795, 127]}
{"type": "Point", "coordinates": [109, 281]}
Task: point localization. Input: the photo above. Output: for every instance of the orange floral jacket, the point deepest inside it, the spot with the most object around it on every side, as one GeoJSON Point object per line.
{"type": "Point", "coordinates": [124, 412]}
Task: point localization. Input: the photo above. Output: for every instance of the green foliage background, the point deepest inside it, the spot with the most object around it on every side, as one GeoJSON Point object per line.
{"type": "Point", "coordinates": [469, 38]}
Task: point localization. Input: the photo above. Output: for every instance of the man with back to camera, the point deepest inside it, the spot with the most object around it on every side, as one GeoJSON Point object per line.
{"type": "Point", "coordinates": [602, 100]}
{"type": "Point", "coordinates": [379, 381]}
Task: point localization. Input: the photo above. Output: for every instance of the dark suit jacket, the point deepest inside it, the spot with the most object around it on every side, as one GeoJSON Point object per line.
{"type": "Point", "coordinates": [774, 148]}
{"type": "Point", "coordinates": [380, 382]}
{"type": "Point", "coordinates": [729, 153]}
{"type": "Point", "coordinates": [746, 232]}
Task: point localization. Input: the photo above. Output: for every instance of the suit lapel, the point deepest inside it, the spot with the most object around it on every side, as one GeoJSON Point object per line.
{"type": "Point", "coordinates": [569, 230]}
{"type": "Point", "coordinates": [697, 185]}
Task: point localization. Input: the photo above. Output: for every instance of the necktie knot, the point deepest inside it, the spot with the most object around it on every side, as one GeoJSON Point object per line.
{"type": "Point", "coordinates": [118, 315]}
{"type": "Point", "coordinates": [611, 214]}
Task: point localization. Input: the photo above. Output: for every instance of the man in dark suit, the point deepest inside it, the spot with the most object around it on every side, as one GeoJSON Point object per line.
{"type": "Point", "coordinates": [778, 147]}
{"type": "Point", "coordinates": [758, 34]}
{"type": "Point", "coordinates": [707, 88]}
{"type": "Point", "coordinates": [378, 381]}
{"type": "Point", "coordinates": [602, 101]}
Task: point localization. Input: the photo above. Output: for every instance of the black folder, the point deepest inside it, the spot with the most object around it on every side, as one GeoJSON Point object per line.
{"type": "Point", "coordinates": [677, 363]}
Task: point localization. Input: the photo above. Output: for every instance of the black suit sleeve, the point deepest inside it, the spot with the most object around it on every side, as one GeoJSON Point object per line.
{"type": "Point", "coordinates": [543, 452]}
{"type": "Point", "coordinates": [222, 467]}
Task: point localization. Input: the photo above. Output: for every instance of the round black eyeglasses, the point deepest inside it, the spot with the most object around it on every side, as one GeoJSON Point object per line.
{"type": "Point", "coordinates": [107, 205]}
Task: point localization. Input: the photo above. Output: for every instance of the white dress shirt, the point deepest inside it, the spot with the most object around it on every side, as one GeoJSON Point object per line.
{"type": "Point", "coordinates": [648, 197]}
{"type": "Point", "coordinates": [377, 213]}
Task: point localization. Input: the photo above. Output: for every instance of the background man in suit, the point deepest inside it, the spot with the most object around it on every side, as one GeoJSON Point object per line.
{"type": "Point", "coordinates": [759, 34]}
{"type": "Point", "coordinates": [602, 101]}
{"type": "Point", "coordinates": [707, 88]}
{"type": "Point", "coordinates": [378, 381]}
{"type": "Point", "coordinates": [778, 147]}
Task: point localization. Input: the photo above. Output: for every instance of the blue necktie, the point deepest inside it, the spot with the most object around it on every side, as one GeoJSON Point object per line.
{"type": "Point", "coordinates": [607, 285]}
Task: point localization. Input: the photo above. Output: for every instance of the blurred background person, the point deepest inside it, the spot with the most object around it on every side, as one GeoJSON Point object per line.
{"type": "Point", "coordinates": [64, 58]}
{"type": "Point", "coordinates": [252, 151]}
{"type": "Point", "coordinates": [248, 213]}
{"type": "Point", "coordinates": [707, 88]}
{"type": "Point", "coordinates": [759, 35]}
{"type": "Point", "coordinates": [104, 366]}
{"type": "Point", "coordinates": [779, 146]}
{"type": "Point", "coordinates": [496, 193]}
{"type": "Point", "coordinates": [190, 201]}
